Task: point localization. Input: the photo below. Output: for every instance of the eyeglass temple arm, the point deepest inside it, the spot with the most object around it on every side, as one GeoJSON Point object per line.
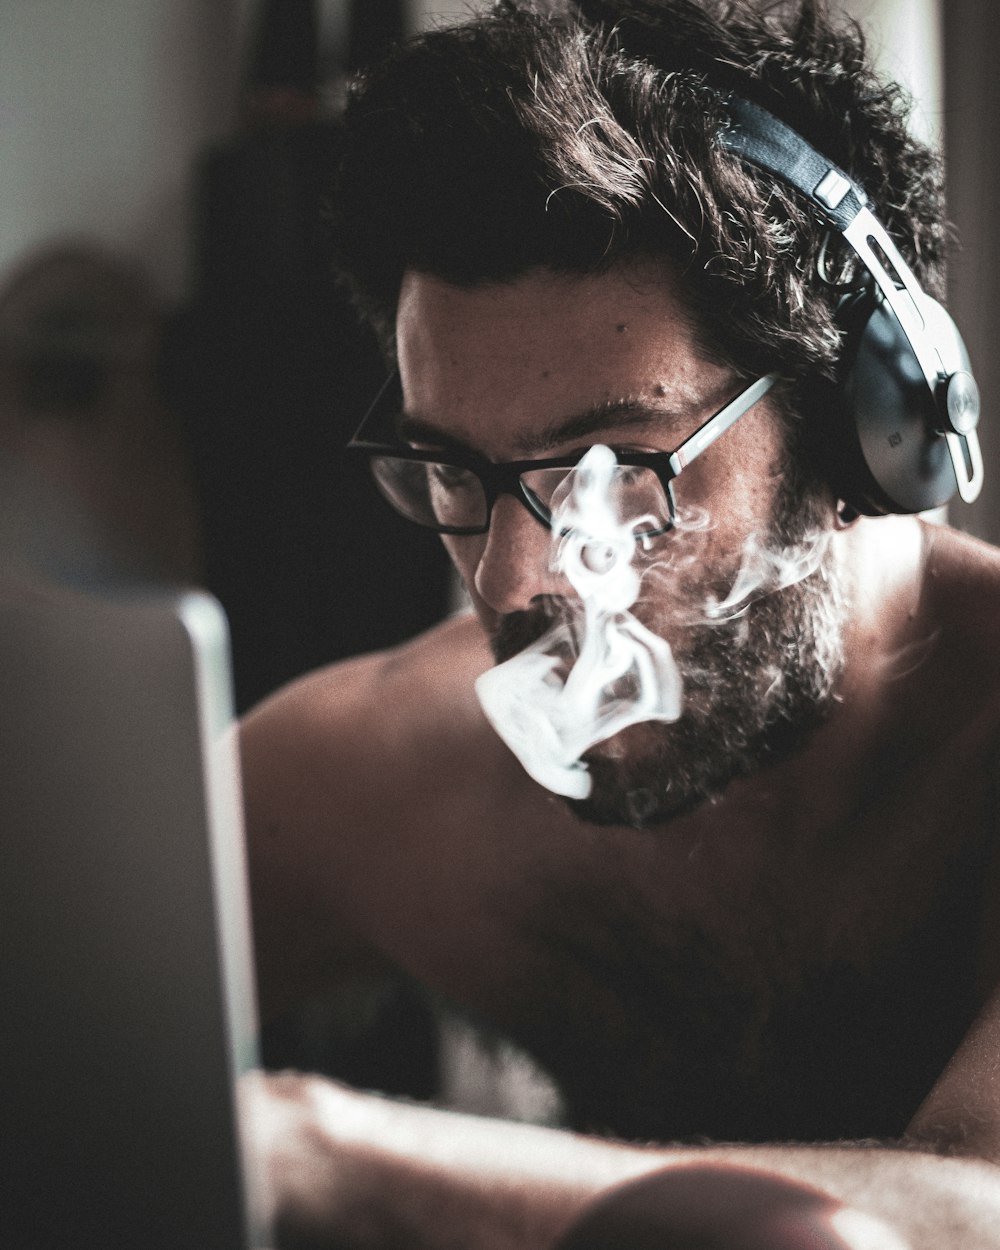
{"type": "Point", "coordinates": [361, 438]}
{"type": "Point", "coordinates": [716, 425]}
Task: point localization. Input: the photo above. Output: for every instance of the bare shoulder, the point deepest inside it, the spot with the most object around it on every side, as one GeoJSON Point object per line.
{"type": "Point", "coordinates": [364, 704]}
{"type": "Point", "coordinates": [954, 691]}
{"type": "Point", "coordinates": [438, 669]}
{"type": "Point", "coordinates": [349, 740]}
{"type": "Point", "coordinates": [962, 592]}
{"type": "Point", "coordinates": [342, 771]}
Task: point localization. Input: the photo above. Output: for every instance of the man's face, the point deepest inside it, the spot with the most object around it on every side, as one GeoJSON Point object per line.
{"type": "Point", "coordinates": [547, 364]}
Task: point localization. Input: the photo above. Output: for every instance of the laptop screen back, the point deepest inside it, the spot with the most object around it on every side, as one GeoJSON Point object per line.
{"type": "Point", "coordinates": [126, 994]}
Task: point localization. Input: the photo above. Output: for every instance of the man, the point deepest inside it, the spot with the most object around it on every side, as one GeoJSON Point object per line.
{"type": "Point", "coordinates": [769, 915]}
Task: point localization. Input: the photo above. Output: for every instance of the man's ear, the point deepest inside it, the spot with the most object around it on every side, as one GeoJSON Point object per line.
{"type": "Point", "coordinates": [845, 515]}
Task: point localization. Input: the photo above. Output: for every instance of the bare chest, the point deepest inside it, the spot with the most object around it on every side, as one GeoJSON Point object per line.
{"type": "Point", "coordinates": [669, 1031]}
{"type": "Point", "coordinates": [813, 1004]}
{"type": "Point", "coordinates": [813, 990]}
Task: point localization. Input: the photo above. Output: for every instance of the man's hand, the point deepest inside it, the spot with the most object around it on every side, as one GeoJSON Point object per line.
{"type": "Point", "coordinates": [300, 1177]}
{"type": "Point", "coordinates": [349, 1169]}
{"type": "Point", "coordinates": [337, 1167]}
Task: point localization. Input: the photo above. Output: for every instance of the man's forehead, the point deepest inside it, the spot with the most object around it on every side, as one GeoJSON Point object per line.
{"type": "Point", "coordinates": [609, 301]}
{"type": "Point", "coordinates": [546, 358]}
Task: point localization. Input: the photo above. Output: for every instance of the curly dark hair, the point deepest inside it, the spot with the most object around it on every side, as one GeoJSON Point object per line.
{"type": "Point", "coordinates": [580, 134]}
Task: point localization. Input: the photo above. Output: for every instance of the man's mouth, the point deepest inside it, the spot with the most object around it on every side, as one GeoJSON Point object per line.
{"type": "Point", "coordinates": [519, 630]}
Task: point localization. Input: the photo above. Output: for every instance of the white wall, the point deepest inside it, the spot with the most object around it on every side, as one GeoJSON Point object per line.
{"type": "Point", "coordinates": [905, 38]}
{"type": "Point", "coordinates": [103, 104]}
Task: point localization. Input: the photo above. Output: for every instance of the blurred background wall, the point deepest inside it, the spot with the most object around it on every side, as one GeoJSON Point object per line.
{"type": "Point", "coordinates": [945, 54]}
{"type": "Point", "coordinates": [169, 350]}
{"type": "Point", "coordinates": [161, 171]}
{"type": "Point", "coordinates": [103, 106]}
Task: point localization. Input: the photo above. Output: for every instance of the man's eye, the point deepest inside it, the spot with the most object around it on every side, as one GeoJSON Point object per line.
{"type": "Point", "coordinates": [621, 451]}
{"type": "Point", "coordinates": [450, 476]}
{"type": "Point", "coordinates": [630, 474]}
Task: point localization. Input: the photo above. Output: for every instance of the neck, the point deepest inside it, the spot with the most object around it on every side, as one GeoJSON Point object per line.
{"type": "Point", "coordinates": [886, 635]}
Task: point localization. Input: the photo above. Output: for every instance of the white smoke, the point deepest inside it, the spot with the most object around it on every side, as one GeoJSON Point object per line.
{"type": "Point", "coordinates": [599, 670]}
{"type": "Point", "coordinates": [763, 570]}
{"type": "Point", "coordinates": [620, 672]}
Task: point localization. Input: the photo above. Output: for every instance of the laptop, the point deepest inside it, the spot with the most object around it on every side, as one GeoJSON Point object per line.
{"type": "Point", "coordinates": [127, 1008]}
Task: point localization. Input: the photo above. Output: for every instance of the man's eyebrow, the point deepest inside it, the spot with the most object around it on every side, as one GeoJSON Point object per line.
{"type": "Point", "coordinates": [630, 413]}
{"type": "Point", "coordinates": [611, 415]}
{"type": "Point", "coordinates": [416, 430]}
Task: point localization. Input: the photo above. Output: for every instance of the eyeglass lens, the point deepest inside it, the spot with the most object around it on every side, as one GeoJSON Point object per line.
{"type": "Point", "coordinates": [452, 497]}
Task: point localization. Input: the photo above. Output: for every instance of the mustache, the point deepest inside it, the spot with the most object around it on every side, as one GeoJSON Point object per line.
{"type": "Point", "coordinates": [518, 630]}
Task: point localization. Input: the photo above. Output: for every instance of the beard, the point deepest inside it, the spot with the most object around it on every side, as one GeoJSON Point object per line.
{"type": "Point", "coordinates": [755, 687]}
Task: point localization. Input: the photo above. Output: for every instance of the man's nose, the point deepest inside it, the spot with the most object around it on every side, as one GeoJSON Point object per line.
{"type": "Point", "coordinates": [515, 566]}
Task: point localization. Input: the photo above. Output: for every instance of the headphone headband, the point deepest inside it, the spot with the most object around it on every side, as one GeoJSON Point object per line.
{"type": "Point", "coordinates": [761, 139]}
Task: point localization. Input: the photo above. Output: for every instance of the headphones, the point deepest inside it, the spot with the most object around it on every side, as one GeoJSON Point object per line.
{"type": "Point", "coordinates": [902, 436]}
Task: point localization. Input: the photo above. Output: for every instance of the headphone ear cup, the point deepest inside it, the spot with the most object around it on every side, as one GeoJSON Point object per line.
{"type": "Point", "coordinates": [888, 453]}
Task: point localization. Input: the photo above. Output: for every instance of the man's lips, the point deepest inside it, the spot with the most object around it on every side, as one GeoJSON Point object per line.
{"type": "Point", "coordinates": [517, 631]}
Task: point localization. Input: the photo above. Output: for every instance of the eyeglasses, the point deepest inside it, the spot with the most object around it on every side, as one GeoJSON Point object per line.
{"type": "Point", "coordinates": [454, 492]}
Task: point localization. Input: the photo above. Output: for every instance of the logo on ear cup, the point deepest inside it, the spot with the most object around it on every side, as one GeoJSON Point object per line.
{"type": "Point", "coordinates": [962, 401]}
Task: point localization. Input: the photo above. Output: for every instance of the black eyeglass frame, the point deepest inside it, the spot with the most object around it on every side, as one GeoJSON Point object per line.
{"type": "Point", "coordinates": [504, 478]}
